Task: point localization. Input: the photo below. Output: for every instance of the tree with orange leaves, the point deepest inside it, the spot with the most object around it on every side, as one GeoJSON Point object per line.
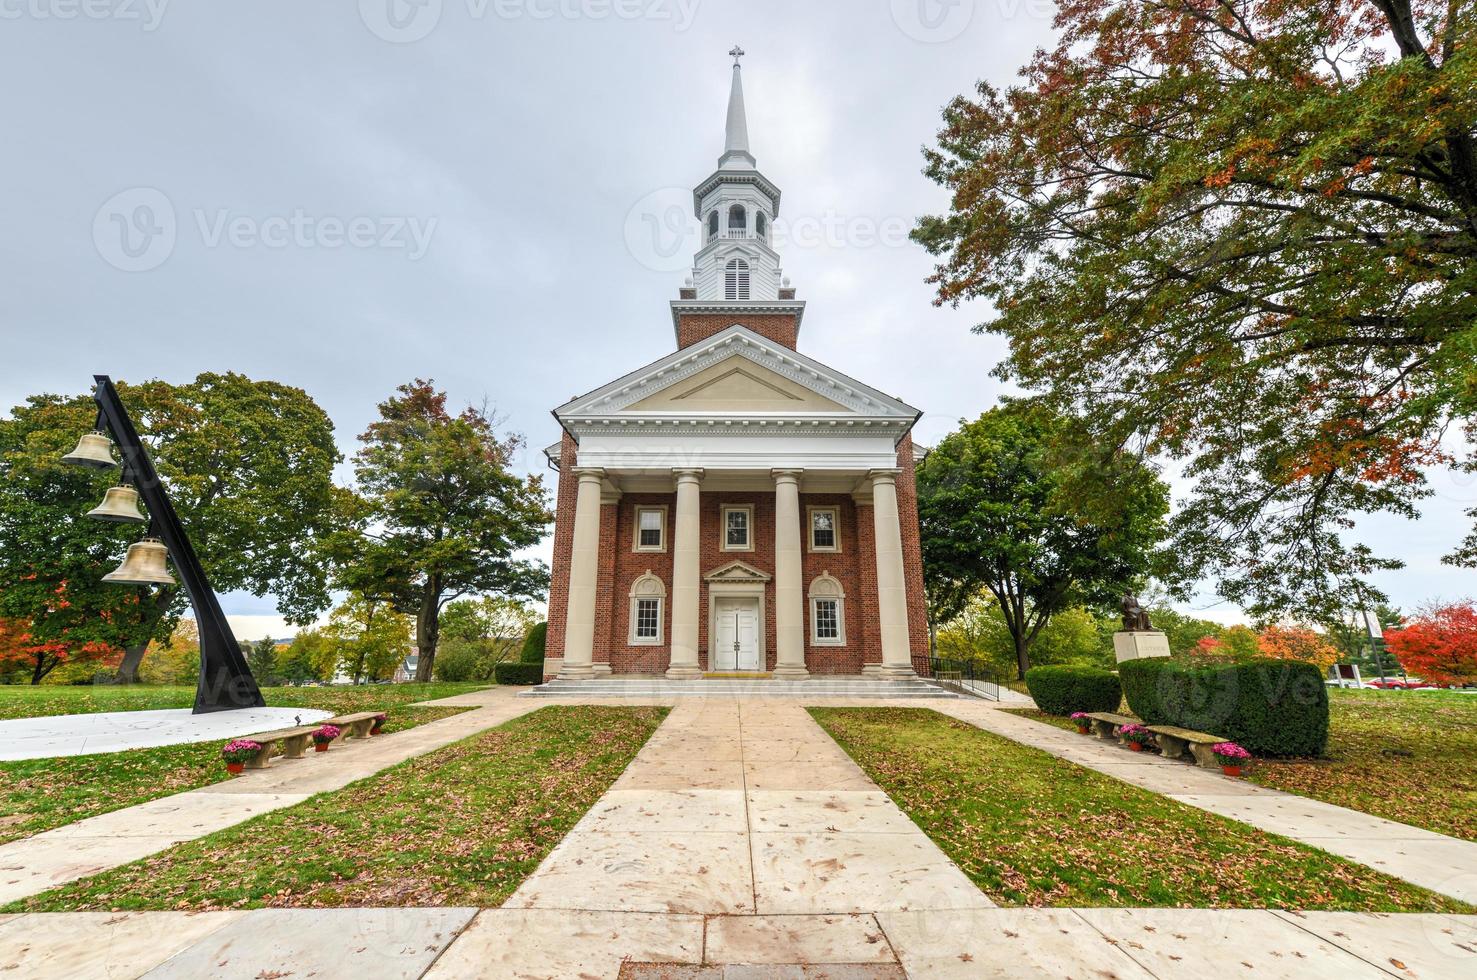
{"type": "Point", "coordinates": [19, 649]}
{"type": "Point", "coordinates": [1438, 644]}
{"type": "Point", "coordinates": [1297, 643]}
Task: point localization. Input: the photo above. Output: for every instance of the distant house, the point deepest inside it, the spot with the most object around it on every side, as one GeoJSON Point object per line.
{"type": "Point", "coordinates": [406, 671]}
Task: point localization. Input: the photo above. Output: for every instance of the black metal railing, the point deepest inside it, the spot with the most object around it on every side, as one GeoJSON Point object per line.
{"type": "Point", "coordinates": [965, 676]}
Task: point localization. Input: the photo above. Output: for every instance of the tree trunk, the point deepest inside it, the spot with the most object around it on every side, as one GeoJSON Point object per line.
{"type": "Point", "coordinates": [1022, 658]}
{"type": "Point", "coordinates": [128, 669]}
{"type": "Point", "coordinates": [42, 668]}
{"type": "Point", "coordinates": [427, 632]}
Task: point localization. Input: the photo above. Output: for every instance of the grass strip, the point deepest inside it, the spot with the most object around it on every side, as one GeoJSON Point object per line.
{"type": "Point", "coordinates": [1031, 829]}
{"type": "Point", "coordinates": [460, 826]}
{"type": "Point", "coordinates": [41, 794]}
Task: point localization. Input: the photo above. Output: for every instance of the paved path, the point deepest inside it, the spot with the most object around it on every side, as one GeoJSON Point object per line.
{"type": "Point", "coordinates": [87, 847]}
{"type": "Point", "coordinates": [1443, 864]}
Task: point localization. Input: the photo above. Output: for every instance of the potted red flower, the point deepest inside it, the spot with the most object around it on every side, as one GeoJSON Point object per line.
{"type": "Point", "coordinates": [1135, 736]}
{"type": "Point", "coordinates": [379, 724]}
{"type": "Point", "coordinates": [237, 753]}
{"type": "Point", "coordinates": [323, 736]}
{"type": "Point", "coordinates": [1080, 717]}
{"type": "Point", "coordinates": [1232, 757]}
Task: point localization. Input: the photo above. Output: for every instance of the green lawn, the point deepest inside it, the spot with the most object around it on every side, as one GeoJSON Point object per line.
{"type": "Point", "coordinates": [461, 826]}
{"type": "Point", "coordinates": [1031, 829]}
{"type": "Point", "coordinates": [1409, 756]}
{"type": "Point", "coordinates": [40, 794]}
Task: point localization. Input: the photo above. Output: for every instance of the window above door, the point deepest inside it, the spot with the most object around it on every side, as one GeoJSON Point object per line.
{"type": "Point", "coordinates": [737, 527]}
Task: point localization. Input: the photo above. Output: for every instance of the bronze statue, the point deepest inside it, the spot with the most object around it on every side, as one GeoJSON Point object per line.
{"type": "Point", "coordinates": [1135, 616]}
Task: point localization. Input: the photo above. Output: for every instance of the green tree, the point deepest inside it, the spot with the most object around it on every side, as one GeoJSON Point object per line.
{"type": "Point", "coordinates": [306, 657]}
{"type": "Point", "coordinates": [1183, 632]}
{"type": "Point", "coordinates": [365, 639]}
{"type": "Point", "coordinates": [1241, 234]}
{"type": "Point", "coordinates": [261, 657]}
{"type": "Point", "coordinates": [248, 466]}
{"type": "Point", "coordinates": [478, 634]}
{"type": "Point", "coordinates": [443, 515]}
{"type": "Point", "coordinates": [1014, 503]}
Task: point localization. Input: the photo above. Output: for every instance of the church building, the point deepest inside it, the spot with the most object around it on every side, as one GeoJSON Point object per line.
{"type": "Point", "coordinates": [736, 507]}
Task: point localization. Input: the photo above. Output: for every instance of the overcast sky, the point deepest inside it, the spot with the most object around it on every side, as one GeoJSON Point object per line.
{"type": "Point", "coordinates": [344, 196]}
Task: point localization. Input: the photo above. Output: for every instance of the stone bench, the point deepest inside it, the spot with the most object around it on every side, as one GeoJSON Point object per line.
{"type": "Point", "coordinates": [294, 743]}
{"type": "Point", "coordinates": [353, 726]}
{"type": "Point", "coordinates": [1174, 742]}
{"type": "Point", "coordinates": [1105, 724]}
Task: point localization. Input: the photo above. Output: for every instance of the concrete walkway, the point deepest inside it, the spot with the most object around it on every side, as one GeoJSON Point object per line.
{"type": "Point", "coordinates": [1442, 864]}
{"type": "Point", "coordinates": [87, 847]}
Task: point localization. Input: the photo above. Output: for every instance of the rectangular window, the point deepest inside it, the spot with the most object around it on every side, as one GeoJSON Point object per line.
{"type": "Point", "coordinates": [648, 619]}
{"type": "Point", "coordinates": [738, 529]}
{"type": "Point", "coordinates": [823, 530]}
{"type": "Point", "coordinates": [651, 526]}
{"type": "Point", "coordinates": [827, 619]}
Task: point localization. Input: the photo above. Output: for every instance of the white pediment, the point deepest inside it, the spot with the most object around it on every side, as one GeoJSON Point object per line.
{"type": "Point", "coordinates": [737, 372]}
{"type": "Point", "coordinates": [737, 571]}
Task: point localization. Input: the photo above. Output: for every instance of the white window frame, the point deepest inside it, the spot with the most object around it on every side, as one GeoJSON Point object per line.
{"type": "Point", "coordinates": [827, 589]}
{"type": "Point", "coordinates": [636, 544]}
{"type": "Point", "coordinates": [648, 588]}
{"type": "Point", "coordinates": [723, 513]}
{"type": "Point", "coordinates": [835, 513]}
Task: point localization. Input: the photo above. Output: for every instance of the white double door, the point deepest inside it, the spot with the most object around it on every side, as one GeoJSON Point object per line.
{"type": "Point", "coordinates": [736, 635]}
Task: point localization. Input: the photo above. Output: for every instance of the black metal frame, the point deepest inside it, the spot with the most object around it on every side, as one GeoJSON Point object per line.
{"type": "Point", "coordinates": [225, 682]}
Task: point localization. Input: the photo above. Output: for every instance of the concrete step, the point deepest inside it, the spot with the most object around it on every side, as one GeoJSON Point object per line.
{"type": "Point", "coordinates": [820, 687]}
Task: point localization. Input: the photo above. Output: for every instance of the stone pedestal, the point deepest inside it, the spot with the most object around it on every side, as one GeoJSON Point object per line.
{"type": "Point", "coordinates": [1140, 644]}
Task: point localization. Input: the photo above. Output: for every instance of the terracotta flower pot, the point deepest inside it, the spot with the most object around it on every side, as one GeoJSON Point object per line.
{"type": "Point", "coordinates": [1231, 770]}
{"type": "Point", "coordinates": [320, 746]}
{"type": "Point", "coordinates": [235, 768]}
{"type": "Point", "coordinates": [1135, 746]}
{"type": "Point", "coordinates": [376, 730]}
{"type": "Point", "coordinates": [1083, 730]}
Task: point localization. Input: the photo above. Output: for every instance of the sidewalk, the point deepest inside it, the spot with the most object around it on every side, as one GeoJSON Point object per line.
{"type": "Point", "coordinates": [87, 847]}
{"type": "Point", "coordinates": [1443, 864]}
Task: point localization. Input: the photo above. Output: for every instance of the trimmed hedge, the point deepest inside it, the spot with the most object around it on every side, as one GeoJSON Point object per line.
{"type": "Point", "coordinates": [1063, 689]}
{"type": "Point", "coordinates": [518, 675]}
{"type": "Point", "coordinates": [533, 645]}
{"type": "Point", "coordinates": [1269, 707]}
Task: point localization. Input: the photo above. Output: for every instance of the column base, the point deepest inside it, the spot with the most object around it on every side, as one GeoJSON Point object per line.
{"type": "Point", "coordinates": [576, 672]}
{"type": "Point", "coordinates": [791, 674]}
{"type": "Point", "coordinates": [871, 670]}
{"type": "Point", "coordinates": [601, 670]}
{"type": "Point", "coordinates": [897, 672]}
{"type": "Point", "coordinates": [684, 673]}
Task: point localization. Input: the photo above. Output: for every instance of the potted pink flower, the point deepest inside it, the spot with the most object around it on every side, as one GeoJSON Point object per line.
{"type": "Point", "coordinates": [1232, 757]}
{"type": "Point", "coordinates": [379, 723]}
{"type": "Point", "coordinates": [323, 736]}
{"type": "Point", "coordinates": [1083, 722]}
{"type": "Point", "coordinates": [1135, 736]}
{"type": "Point", "coordinates": [237, 753]}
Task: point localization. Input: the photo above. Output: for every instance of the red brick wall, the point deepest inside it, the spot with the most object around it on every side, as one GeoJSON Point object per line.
{"type": "Point", "coordinates": [630, 565]}
{"type": "Point", "coordinates": [782, 328]}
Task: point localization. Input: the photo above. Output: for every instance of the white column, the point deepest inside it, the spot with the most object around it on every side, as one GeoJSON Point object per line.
{"type": "Point", "coordinates": [892, 593]}
{"type": "Point", "coordinates": [789, 590]}
{"type": "Point", "coordinates": [579, 620]}
{"type": "Point", "coordinates": [686, 579]}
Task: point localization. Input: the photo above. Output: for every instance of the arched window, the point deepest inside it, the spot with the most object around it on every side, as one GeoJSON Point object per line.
{"type": "Point", "coordinates": [648, 610]}
{"type": "Point", "coordinates": [712, 226]}
{"type": "Point", "coordinates": [827, 612]}
{"type": "Point", "coordinates": [738, 221]}
{"type": "Point", "coordinates": [736, 280]}
{"type": "Point", "coordinates": [761, 225]}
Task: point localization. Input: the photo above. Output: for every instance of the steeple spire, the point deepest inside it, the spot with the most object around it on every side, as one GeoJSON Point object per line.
{"type": "Point", "coordinates": [736, 155]}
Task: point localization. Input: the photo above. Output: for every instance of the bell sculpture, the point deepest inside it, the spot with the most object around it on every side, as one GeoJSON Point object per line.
{"type": "Point", "coordinates": [143, 565]}
{"type": "Point", "coordinates": [119, 506]}
{"type": "Point", "coordinates": [94, 450]}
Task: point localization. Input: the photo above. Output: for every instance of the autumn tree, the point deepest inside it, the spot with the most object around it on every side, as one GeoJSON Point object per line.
{"type": "Point", "coordinates": [1297, 643]}
{"type": "Point", "coordinates": [249, 468]}
{"type": "Point", "coordinates": [1438, 644]}
{"type": "Point", "coordinates": [1015, 504]}
{"type": "Point", "coordinates": [444, 514]}
{"type": "Point", "coordinates": [21, 651]}
{"type": "Point", "coordinates": [365, 639]}
{"type": "Point", "coordinates": [1241, 234]}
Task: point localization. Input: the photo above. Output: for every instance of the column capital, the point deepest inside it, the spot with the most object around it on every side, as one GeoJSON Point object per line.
{"type": "Point", "coordinates": [888, 475]}
{"type": "Point", "coordinates": [787, 476]}
{"type": "Point", "coordinates": [588, 472]}
{"type": "Point", "coordinates": [682, 473]}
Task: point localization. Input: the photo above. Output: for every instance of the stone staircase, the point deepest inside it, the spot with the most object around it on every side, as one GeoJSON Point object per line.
{"type": "Point", "coordinates": [816, 687]}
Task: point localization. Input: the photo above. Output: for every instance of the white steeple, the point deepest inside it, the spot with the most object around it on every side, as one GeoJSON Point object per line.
{"type": "Point", "coordinates": [736, 153]}
{"type": "Point", "coordinates": [737, 207]}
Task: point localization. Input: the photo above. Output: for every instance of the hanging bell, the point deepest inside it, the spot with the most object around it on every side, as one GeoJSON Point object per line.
{"type": "Point", "coordinates": [93, 450]}
{"type": "Point", "coordinates": [119, 506]}
{"type": "Point", "coordinates": [143, 565]}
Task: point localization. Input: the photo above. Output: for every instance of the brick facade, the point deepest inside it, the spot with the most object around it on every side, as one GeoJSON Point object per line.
{"type": "Point", "coordinates": [854, 566]}
{"type": "Point", "coordinates": [782, 328]}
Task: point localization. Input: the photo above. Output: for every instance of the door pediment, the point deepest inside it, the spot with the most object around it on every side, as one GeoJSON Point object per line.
{"type": "Point", "coordinates": [737, 571]}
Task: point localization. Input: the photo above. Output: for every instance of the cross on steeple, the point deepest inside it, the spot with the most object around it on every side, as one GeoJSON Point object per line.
{"type": "Point", "coordinates": [737, 53]}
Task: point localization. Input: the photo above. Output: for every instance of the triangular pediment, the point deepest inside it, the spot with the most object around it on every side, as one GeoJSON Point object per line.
{"type": "Point", "coordinates": [737, 571]}
{"type": "Point", "coordinates": [737, 372]}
